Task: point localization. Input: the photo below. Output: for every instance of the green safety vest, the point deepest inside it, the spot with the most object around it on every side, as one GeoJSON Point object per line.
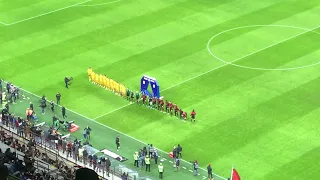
{"type": "Point", "coordinates": [135, 157]}
{"type": "Point", "coordinates": [160, 168]}
{"type": "Point", "coordinates": [147, 160]}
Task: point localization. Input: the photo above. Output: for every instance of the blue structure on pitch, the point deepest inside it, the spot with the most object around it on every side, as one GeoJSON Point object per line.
{"type": "Point", "coordinates": [145, 81]}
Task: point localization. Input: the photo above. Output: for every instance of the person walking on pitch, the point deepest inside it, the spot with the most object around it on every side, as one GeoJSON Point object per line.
{"type": "Point", "coordinates": [58, 96]}
{"type": "Point", "coordinates": [63, 110]}
{"type": "Point", "coordinates": [118, 143]}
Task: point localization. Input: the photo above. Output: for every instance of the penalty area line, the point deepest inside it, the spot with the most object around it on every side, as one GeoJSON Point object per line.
{"type": "Point", "coordinates": [115, 130]}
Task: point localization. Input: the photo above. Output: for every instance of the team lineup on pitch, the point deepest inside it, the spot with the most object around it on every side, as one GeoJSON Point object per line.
{"type": "Point", "coordinates": [249, 70]}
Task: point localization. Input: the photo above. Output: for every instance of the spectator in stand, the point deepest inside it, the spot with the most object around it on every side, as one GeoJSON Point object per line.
{"type": "Point", "coordinates": [85, 156]}
{"type": "Point", "coordinates": [103, 164]}
{"type": "Point", "coordinates": [124, 176]}
{"type": "Point", "coordinates": [4, 172]}
{"type": "Point", "coordinates": [108, 165]}
{"type": "Point", "coordinates": [76, 151]}
{"type": "Point", "coordinates": [69, 149]}
{"type": "Point", "coordinates": [85, 174]}
{"type": "Point", "coordinates": [94, 161]}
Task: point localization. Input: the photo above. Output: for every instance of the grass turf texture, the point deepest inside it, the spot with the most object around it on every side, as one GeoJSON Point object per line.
{"type": "Point", "coordinates": [264, 122]}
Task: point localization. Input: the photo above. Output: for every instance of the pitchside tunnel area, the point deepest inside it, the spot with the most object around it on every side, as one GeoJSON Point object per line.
{"type": "Point", "coordinates": [103, 137]}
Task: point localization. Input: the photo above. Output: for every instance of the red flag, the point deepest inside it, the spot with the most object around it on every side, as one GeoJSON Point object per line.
{"type": "Point", "coordinates": [235, 175]}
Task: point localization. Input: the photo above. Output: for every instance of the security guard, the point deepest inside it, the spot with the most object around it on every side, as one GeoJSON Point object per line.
{"type": "Point", "coordinates": [147, 161]}
{"type": "Point", "coordinates": [135, 157]}
{"type": "Point", "coordinates": [160, 168]}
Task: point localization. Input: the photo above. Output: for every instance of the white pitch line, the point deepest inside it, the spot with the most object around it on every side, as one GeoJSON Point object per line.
{"type": "Point", "coordinates": [268, 69]}
{"type": "Point", "coordinates": [184, 167]}
{"type": "Point", "coordinates": [116, 131]}
{"type": "Point", "coordinates": [190, 170]}
{"type": "Point", "coordinates": [47, 13]}
{"type": "Point", "coordinates": [101, 3]}
{"type": "Point", "coordinates": [229, 63]}
{"type": "Point", "coordinates": [111, 111]}
{"type": "Point", "coordinates": [4, 23]}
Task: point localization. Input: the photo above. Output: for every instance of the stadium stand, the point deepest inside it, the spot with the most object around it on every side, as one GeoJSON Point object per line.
{"type": "Point", "coordinates": [38, 157]}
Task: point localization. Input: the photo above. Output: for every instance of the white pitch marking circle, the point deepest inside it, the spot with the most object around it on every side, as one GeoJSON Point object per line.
{"type": "Point", "coordinates": [257, 68]}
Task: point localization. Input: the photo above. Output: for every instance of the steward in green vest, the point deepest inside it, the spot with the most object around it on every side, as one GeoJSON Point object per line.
{"type": "Point", "coordinates": [147, 161]}
{"type": "Point", "coordinates": [161, 170]}
{"type": "Point", "coordinates": [136, 157]}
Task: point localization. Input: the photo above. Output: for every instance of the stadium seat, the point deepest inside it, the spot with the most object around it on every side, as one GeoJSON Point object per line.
{"type": "Point", "coordinates": [74, 128]}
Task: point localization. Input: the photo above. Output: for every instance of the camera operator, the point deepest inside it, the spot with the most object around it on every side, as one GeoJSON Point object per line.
{"type": "Point", "coordinates": [67, 81]}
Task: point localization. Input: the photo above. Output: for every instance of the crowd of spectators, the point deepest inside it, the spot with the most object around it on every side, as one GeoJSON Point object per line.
{"type": "Point", "coordinates": [21, 161]}
{"type": "Point", "coordinates": [46, 136]}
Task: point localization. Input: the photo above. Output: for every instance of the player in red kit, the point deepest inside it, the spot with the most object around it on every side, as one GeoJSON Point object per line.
{"type": "Point", "coordinates": [171, 108]}
{"type": "Point", "coordinates": [167, 106]}
{"type": "Point", "coordinates": [181, 112]}
{"type": "Point", "coordinates": [144, 98]}
{"type": "Point", "coordinates": [176, 110]}
{"type": "Point", "coordinates": [184, 116]}
{"type": "Point", "coordinates": [154, 103]}
{"type": "Point", "coordinates": [193, 116]}
{"type": "Point", "coordinates": [161, 106]}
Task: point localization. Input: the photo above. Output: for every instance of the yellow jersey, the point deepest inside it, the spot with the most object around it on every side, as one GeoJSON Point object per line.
{"type": "Point", "coordinates": [89, 71]}
{"type": "Point", "coordinates": [108, 83]}
{"type": "Point", "coordinates": [111, 84]}
{"type": "Point", "coordinates": [104, 81]}
{"type": "Point", "coordinates": [101, 79]}
{"type": "Point", "coordinates": [122, 90]}
{"type": "Point", "coordinates": [93, 76]}
{"type": "Point", "coordinates": [97, 78]}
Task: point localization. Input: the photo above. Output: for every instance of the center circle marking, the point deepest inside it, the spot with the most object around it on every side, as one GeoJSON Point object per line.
{"type": "Point", "coordinates": [257, 68]}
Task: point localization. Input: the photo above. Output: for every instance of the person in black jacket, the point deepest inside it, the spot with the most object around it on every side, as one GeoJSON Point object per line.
{"type": "Point", "coordinates": [209, 169]}
{"type": "Point", "coordinates": [108, 164]}
{"type": "Point", "coordinates": [85, 156]}
{"type": "Point", "coordinates": [31, 106]}
{"type": "Point", "coordinates": [118, 142]}
{"type": "Point", "coordinates": [58, 96]}
{"type": "Point", "coordinates": [179, 151]}
{"type": "Point", "coordinates": [63, 110]}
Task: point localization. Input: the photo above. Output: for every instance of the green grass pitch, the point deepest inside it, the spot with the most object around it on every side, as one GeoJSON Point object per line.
{"type": "Point", "coordinates": [259, 114]}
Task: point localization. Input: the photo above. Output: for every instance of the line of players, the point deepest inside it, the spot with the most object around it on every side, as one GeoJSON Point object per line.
{"type": "Point", "coordinates": [105, 82]}
{"type": "Point", "coordinates": [152, 102]}
{"type": "Point", "coordinates": [160, 104]}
